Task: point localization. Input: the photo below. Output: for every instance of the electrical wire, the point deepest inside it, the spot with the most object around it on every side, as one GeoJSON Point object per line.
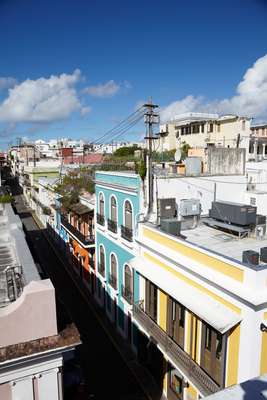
{"type": "Point", "coordinates": [120, 125]}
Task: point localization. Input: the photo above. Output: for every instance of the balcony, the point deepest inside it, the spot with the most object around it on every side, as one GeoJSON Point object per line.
{"type": "Point", "coordinates": [112, 226]}
{"type": "Point", "coordinates": [177, 355]}
{"type": "Point", "coordinates": [113, 281]}
{"type": "Point", "coordinates": [101, 269]}
{"type": "Point", "coordinates": [86, 241]}
{"type": "Point", "coordinates": [126, 233]}
{"type": "Point", "coordinates": [100, 219]}
{"type": "Point", "coordinates": [127, 294]}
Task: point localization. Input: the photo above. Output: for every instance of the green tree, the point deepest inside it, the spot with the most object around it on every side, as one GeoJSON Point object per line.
{"type": "Point", "coordinates": [126, 151]}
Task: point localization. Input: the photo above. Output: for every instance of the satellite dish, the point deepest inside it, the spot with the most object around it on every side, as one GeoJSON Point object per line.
{"type": "Point", "coordinates": [177, 155]}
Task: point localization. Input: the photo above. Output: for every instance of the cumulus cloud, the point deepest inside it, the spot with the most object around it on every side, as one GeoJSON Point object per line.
{"type": "Point", "coordinates": [42, 100]}
{"type": "Point", "coordinates": [108, 89]}
{"type": "Point", "coordinates": [7, 82]}
{"type": "Point", "coordinates": [250, 98]}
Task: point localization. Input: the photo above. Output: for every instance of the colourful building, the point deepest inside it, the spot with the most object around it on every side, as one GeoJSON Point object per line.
{"type": "Point", "coordinates": [117, 213]}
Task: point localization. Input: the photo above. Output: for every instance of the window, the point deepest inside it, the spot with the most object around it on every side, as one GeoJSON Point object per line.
{"type": "Point", "coordinates": [211, 127]}
{"type": "Point", "coordinates": [112, 221]}
{"type": "Point", "coordinates": [243, 125]}
{"type": "Point", "coordinates": [176, 384]}
{"type": "Point", "coordinates": [219, 128]}
{"type": "Point", "coordinates": [101, 266]}
{"type": "Point", "coordinates": [202, 128]}
{"type": "Point", "coordinates": [113, 209]}
{"type": "Point", "coordinates": [101, 204]}
{"type": "Point", "coordinates": [113, 272]}
{"type": "Point", "coordinates": [176, 321]}
{"type": "Point", "coordinates": [151, 300]}
{"type": "Point", "coordinates": [213, 353]}
{"type": "Point", "coordinates": [127, 228]}
{"type": "Point", "coordinates": [128, 215]}
{"type": "Point", "coordinates": [195, 128]}
{"type": "Point", "coordinates": [127, 291]}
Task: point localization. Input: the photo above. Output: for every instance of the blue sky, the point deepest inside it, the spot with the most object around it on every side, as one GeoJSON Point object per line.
{"type": "Point", "coordinates": [114, 54]}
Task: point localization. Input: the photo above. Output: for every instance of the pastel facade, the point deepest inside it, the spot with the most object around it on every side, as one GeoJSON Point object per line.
{"type": "Point", "coordinates": [117, 212]}
{"type": "Point", "coordinates": [201, 130]}
{"type": "Point", "coordinates": [203, 310]}
{"type": "Point", "coordinates": [31, 347]}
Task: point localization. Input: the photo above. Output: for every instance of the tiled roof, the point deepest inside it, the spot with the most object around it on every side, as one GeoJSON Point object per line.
{"type": "Point", "coordinates": [93, 158]}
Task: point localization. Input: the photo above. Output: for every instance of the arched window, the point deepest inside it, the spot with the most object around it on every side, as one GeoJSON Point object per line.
{"type": "Point", "coordinates": [113, 209]}
{"type": "Point", "coordinates": [101, 264]}
{"type": "Point", "coordinates": [101, 205]}
{"type": "Point", "coordinates": [113, 272]}
{"type": "Point", "coordinates": [128, 284]}
{"type": "Point", "coordinates": [112, 221]}
{"type": "Point", "coordinates": [128, 215]}
{"type": "Point", "coordinates": [127, 228]}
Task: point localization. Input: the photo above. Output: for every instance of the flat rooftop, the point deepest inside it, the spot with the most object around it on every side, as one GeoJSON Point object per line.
{"type": "Point", "coordinates": [15, 255]}
{"type": "Point", "coordinates": [226, 244]}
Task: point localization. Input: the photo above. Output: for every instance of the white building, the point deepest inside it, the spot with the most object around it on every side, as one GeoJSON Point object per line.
{"type": "Point", "coordinates": [201, 130]}
{"type": "Point", "coordinates": [31, 347]}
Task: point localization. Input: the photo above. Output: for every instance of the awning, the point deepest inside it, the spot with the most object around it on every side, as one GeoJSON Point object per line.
{"type": "Point", "coordinates": [80, 209]}
{"type": "Point", "coordinates": [206, 308]}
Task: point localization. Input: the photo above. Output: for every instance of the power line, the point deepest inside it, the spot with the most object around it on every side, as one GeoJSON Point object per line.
{"type": "Point", "coordinates": [120, 125]}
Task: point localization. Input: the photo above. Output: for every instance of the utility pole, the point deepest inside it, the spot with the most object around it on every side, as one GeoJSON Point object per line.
{"type": "Point", "coordinates": [151, 118]}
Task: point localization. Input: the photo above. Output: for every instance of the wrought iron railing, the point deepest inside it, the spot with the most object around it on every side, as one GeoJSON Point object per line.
{"type": "Point", "coordinates": [101, 269]}
{"type": "Point", "coordinates": [112, 226]}
{"type": "Point", "coordinates": [126, 233]}
{"type": "Point", "coordinates": [113, 281]}
{"type": "Point", "coordinates": [182, 359]}
{"type": "Point", "coordinates": [85, 240]}
{"type": "Point", "coordinates": [127, 294]}
{"type": "Point", "coordinates": [100, 219]}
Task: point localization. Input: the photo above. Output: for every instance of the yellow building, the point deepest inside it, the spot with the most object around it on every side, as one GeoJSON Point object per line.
{"type": "Point", "coordinates": [201, 308]}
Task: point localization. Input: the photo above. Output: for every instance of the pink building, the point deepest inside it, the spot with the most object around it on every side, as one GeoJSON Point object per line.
{"type": "Point", "coordinates": [31, 347]}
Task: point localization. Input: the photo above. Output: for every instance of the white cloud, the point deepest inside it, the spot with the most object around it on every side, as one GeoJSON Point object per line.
{"type": "Point", "coordinates": [85, 110]}
{"type": "Point", "coordinates": [7, 82]}
{"type": "Point", "coordinates": [108, 89]}
{"type": "Point", "coordinates": [42, 100]}
{"type": "Point", "coordinates": [250, 99]}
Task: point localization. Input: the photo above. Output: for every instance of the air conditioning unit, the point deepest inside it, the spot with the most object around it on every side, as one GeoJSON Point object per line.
{"type": "Point", "coordinates": [250, 257]}
{"type": "Point", "coordinates": [263, 254]}
{"type": "Point", "coordinates": [167, 208]}
{"type": "Point", "coordinates": [190, 207]}
{"type": "Point", "coordinates": [171, 226]}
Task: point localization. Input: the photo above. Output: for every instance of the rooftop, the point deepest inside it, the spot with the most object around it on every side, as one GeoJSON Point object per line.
{"type": "Point", "coordinates": [254, 389]}
{"type": "Point", "coordinates": [16, 262]}
{"type": "Point", "coordinates": [222, 243]}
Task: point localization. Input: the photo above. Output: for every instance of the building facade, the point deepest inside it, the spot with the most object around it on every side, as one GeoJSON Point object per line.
{"type": "Point", "coordinates": [117, 212]}
{"type": "Point", "coordinates": [201, 130]}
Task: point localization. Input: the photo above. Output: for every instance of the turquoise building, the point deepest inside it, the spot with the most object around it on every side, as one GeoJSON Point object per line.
{"type": "Point", "coordinates": [117, 213]}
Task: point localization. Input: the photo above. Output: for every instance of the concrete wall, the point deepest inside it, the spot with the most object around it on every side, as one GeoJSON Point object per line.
{"type": "Point", "coordinates": [226, 161]}
{"type": "Point", "coordinates": [34, 312]}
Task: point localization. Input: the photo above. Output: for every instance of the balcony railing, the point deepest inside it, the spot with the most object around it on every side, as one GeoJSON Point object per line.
{"type": "Point", "coordinates": [100, 219]}
{"type": "Point", "coordinates": [101, 269]}
{"type": "Point", "coordinates": [126, 233]}
{"type": "Point", "coordinates": [127, 294]}
{"type": "Point", "coordinates": [184, 362]}
{"type": "Point", "coordinates": [112, 226]}
{"type": "Point", "coordinates": [85, 240]}
{"type": "Point", "coordinates": [113, 281]}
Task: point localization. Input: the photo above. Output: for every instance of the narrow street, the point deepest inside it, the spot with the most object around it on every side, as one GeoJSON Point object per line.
{"type": "Point", "coordinates": [105, 372]}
